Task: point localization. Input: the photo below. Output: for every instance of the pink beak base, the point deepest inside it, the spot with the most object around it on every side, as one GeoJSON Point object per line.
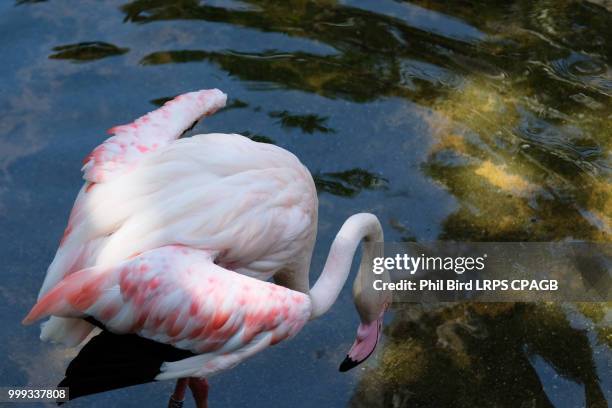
{"type": "Point", "coordinates": [364, 345]}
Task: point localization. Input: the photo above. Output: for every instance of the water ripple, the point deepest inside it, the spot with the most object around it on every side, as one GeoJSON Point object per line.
{"type": "Point", "coordinates": [411, 70]}
{"type": "Point", "coordinates": [87, 51]}
{"type": "Point", "coordinates": [566, 143]}
{"type": "Point", "coordinates": [582, 70]}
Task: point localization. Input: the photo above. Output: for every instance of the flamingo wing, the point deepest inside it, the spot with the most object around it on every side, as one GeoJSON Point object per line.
{"type": "Point", "coordinates": [149, 133]}
{"type": "Point", "coordinates": [119, 154]}
{"type": "Point", "coordinates": [253, 202]}
{"type": "Point", "coordinates": [177, 295]}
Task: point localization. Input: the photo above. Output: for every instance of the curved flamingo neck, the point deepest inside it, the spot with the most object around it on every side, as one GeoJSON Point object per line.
{"type": "Point", "coordinates": [338, 265]}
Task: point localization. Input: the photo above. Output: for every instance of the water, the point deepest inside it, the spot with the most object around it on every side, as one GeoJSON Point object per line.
{"type": "Point", "coordinates": [472, 121]}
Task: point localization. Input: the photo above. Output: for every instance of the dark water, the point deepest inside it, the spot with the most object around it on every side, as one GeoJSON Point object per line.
{"type": "Point", "coordinates": [464, 120]}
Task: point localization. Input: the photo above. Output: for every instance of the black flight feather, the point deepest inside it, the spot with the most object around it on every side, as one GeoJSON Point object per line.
{"type": "Point", "coordinates": [110, 361]}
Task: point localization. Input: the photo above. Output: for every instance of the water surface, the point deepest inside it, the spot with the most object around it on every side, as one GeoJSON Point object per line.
{"type": "Point", "coordinates": [466, 120]}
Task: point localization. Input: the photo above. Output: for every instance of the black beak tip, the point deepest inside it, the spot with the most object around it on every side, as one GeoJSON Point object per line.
{"type": "Point", "coordinates": [347, 364]}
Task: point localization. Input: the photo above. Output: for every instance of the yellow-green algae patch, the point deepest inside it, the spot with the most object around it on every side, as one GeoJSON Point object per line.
{"type": "Point", "coordinates": [504, 190]}
{"type": "Point", "coordinates": [499, 177]}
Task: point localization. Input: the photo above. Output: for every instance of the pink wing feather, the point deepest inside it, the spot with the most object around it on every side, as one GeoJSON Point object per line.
{"type": "Point", "coordinates": [179, 296]}
{"type": "Point", "coordinates": [149, 133]}
{"type": "Point", "coordinates": [196, 179]}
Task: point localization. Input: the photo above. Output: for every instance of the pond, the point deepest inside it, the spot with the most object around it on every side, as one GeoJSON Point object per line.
{"type": "Point", "coordinates": [465, 120]}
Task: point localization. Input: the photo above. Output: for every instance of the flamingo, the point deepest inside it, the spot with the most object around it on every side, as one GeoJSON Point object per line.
{"type": "Point", "coordinates": [170, 248]}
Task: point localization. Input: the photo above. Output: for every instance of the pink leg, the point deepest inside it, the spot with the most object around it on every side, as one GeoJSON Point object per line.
{"type": "Point", "coordinates": [199, 389]}
{"type": "Point", "coordinates": [177, 398]}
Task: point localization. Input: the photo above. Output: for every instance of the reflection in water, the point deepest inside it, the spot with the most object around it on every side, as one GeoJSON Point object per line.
{"type": "Point", "coordinates": [87, 51]}
{"type": "Point", "coordinates": [348, 183]}
{"type": "Point", "coordinates": [19, 2]}
{"type": "Point", "coordinates": [236, 104]}
{"type": "Point", "coordinates": [257, 137]}
{"type": "Point", "coordinates": [307, 123]}
{"type": "Point", "coordinates": [173, 57]}
{"type": "Point", "coordinates": [308, 72]}
{"type": "Point", "coordinates": [161, 101]}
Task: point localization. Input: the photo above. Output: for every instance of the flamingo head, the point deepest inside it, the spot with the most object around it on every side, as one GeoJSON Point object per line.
{"type": "Point", "coordinates": [371, 308]}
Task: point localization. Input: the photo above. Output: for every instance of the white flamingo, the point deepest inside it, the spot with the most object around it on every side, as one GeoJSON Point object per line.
{"type": "Point", "coordinates": [169, 247]}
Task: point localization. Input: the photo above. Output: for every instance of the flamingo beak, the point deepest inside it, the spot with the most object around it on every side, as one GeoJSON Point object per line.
{"type": "Point", "coordinates": [368, 335]}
